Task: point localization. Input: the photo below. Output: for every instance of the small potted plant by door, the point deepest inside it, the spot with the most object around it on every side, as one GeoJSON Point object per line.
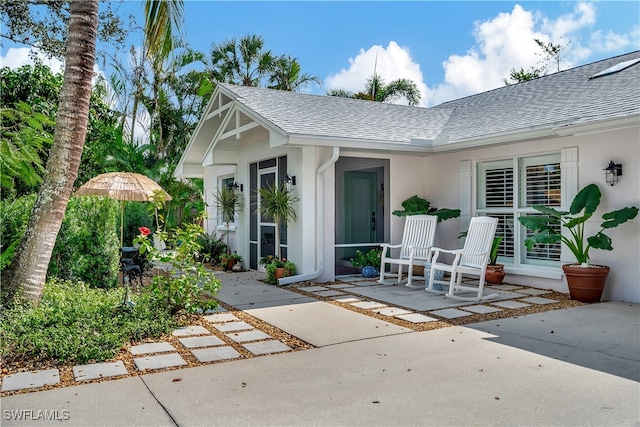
{"type": "Point", "coordinates": [368, 263]}
{"type": "Point", "coordinates": [228, 260]}
{"type": "Point", "coordinates": [585, 281]}
{"type": "Point", "coordinates": [495, 272]}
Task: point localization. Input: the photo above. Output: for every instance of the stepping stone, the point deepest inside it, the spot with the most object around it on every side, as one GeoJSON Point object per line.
{"type": "Point", "coordinates": [340, 286]}
{"type": "Point", "coordinates": [346, 300]}
{"type": "Point", "coordinates": [538, 300]}
{"type": "Point", "coordinates": [214, 354]}
{"type": "Point", "coordinates": [266, 347]}
{"type": "Point", "coordinates": [96, 371]}
{"type": "Point", "coordinates": [154, 347]}
{"type": "Point", "coordinates": [416, 318]}
{"type": "Point", "coordinates": [233, 326]}
{"type": "Point", "coordinates": [533, 291]}
{"type": "Point", "coordinates": [159, 362]}
{"type": "Point", "coordinates": [368, 305]}
{"type": "Point", "coordinates": [451, 313]}
{"type": "Point", "coordinates": [314, 289]}
{"type": "Point", "coordinates": [248, 336]}
{"type": "Point", "coordinates": [206, 341]}
{"type": "Point", "coordinates": [191, 330]}
{"type": "Point", "coordinates": [391, 311]}
{"type": "Point", "coordinates": [481, 309]}
{"type": "Point", "coordinates": [511, 304]}
{"type": "Point", "coordinates": [33, 379]}
{"type": "Point", "coordinates": [329, 293]}
{"type": "Point", "coordinates": [220, 317]}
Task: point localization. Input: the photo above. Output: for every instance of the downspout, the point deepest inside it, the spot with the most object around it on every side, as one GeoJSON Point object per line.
{"type": "Point", "coordinates": [319, 225]}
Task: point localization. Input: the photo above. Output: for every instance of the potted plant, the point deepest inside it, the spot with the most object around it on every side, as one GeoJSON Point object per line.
{"type": "Point", "coordinates": [495, 272]}
{"type": "Point", "coordinates": [276, 268]}
{"type": "Point", "coordinates": [277, 205]}
{"type": "Point", "coordinates": [228, 202]}
{"type": "Point", "coordinates": [368, 262]}
{"type": "Point", "coordinates": [585, 281]}
{"type": "Point", "coordinates": [415, 205]}
{"type": "Point", "coordinates": [229, 259]}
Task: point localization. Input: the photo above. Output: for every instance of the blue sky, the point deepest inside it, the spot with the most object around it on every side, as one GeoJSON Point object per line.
{"type": "Point", "coordinates": [450, 49]}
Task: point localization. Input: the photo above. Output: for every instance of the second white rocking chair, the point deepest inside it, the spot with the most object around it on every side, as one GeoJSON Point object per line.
{"type": "Point", "coordinates": [472, 260]}
{"type": "Point", "coordinates": [417, 239]}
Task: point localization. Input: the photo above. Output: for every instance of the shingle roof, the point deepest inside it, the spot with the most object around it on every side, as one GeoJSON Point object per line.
{"type": "Point", "coordinates": [566, 96]}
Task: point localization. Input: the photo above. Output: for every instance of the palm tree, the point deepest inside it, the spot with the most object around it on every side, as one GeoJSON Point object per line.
{"type": "Point", "coordinates": [245, 62]}
{"type": "Point", "coordinates": [27, 272]}
{"type": "Point", "coordinates": [287, 75]}
{"type": "Point", "coordinates": [376, 90]}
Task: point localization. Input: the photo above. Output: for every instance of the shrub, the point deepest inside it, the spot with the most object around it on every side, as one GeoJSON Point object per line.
{"type": "Point", "coordinates": [77, 324]}
{"type": "Point", "coordinates": [87, 248]}
{"type": "Point", "coordinates": [14, 216]}
{"type": "Point", "coordinates": [185, 285]}
{"type": "Point", "coordinates": [211, 248]}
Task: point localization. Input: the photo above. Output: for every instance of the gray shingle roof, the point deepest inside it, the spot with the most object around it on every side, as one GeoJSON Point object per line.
{"type": "Point", "coordinates": [567, 96]}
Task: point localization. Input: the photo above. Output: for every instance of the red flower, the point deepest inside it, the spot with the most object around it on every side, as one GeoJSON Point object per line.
{"type": "Point", "coordinates": [144, 231]}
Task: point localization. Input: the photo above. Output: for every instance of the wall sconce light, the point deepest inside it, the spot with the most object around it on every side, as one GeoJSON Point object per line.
{"type": "Point", "coordinates": [289, 182]}
{"type": "Point", "coordinates": [238, 188]}
{"type": "Point", "coordinates": [612, 172]}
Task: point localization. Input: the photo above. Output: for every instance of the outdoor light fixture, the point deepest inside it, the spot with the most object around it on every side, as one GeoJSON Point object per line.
{"type": "Point", "coordinates": [612, 172]}
{"type": "Point", "coordinates": [289, 182]}
{"type": "Point", "coordinates": [236, 187]}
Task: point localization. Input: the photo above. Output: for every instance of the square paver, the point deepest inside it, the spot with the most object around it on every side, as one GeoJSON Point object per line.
{"type": "Point", "coordinates": [154, 347]}
{"type": "Point", "coordinates": [511, 304]}
{"type": "Point", "coordinates": [161, 361]}
{"type": "Point", "coordinates": [206, 341]}
{"type": "Point", "coordinates": [539, 300]}
{"type": "Point", "coordinates": [191, 330]}
{"type": "Point", "coordinates": [391, 311]}
{"type": "Point", "coordinates": [233, 326]}
{"type": "Point", "coordinates": [481, 309]}
{"type": "Point", "coordinates": [451, 313]}
{"type": "Point", "coordinates": [220, 317]}
{"type": "Point", "coordinates": [34, 379]}
{"type": "Point", "coordinates": [266, 347]}
{"type": "Point", "coordinates": [248, 336]}
{"type": "Point", "coordinates": [329, 293]}
{"type": "Point", "coordinates": [346, 300]}
{"type": "Point", "coordinates": [534, 291]}
{"type": "Point", "coordinates": [368, 305]}
{"type": "Point", "coordinates": [340, 286]}
{"type": "Point", "coordinates": [96, 371]}
{"type": "Point", "coordinates": [215, 354]}
{"type": "Point", "coordinates": [416, 318]}
{"type": "Point", "coordinates": [314, 289]}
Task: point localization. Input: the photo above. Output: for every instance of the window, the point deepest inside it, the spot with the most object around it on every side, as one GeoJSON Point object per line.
{"type": "Point", "coordinates": [225, 182]}
{"type": "Point", "coordinates": [509, 188]}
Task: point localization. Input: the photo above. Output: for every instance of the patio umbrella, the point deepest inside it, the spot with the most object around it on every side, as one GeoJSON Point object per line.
{"type": "Point", "coordinates": [123, 186]}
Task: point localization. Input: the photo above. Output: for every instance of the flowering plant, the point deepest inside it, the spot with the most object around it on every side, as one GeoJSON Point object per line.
{"type": "Point", "coordinates": [371, 258]}
{"type": "Point", "coordinates": [144, 231]}
{"type": "Point", "coordinates": [268, 260]}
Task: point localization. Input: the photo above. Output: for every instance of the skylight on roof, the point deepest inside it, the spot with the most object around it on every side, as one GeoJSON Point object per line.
{"type": "Point", "coordinates": [616, 68]}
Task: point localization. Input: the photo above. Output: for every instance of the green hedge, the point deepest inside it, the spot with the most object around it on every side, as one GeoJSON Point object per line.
{"type": "Point", "coordinates": [87, 247]}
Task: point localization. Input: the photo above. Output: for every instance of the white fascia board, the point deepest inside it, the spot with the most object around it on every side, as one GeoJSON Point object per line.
{"type": "Point", "coordinates": [358, 144]}
{"type": "Point", "coordinates": [582, 128]}
{"type": "Point", "coordinates": [189, 170]}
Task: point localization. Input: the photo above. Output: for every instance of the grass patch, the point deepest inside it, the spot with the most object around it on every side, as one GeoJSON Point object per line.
{"type": "Point", "coordinates": [77, 324]}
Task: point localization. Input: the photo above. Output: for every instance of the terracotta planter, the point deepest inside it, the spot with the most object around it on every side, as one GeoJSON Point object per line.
{"type": "Point", "coordinates": [494, 274]}
{"type": "Point", "coordinates": [279, 272]}
{"type": "Point", "coordinates": [230, 263]}
{"type": "Point", "coordinates": [418, 270]}
{"type": "Point", "coordinates": [585, 283]}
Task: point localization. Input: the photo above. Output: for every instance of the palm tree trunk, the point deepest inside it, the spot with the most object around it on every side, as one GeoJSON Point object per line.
{"type": "Point", "coordinates": [27, 272]}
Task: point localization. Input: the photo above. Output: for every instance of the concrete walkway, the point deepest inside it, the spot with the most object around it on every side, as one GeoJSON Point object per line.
{"type": "Point", "coordinates": [578, 366]}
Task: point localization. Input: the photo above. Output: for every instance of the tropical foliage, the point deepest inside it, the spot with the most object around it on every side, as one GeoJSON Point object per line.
{"type": "Point", "coordinates": [415, 205]}
{"type": "Point", "coordinates": [376, 90]}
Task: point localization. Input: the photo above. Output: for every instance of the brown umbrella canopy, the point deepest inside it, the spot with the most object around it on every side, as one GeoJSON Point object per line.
{"type": "Point", "coordinates": [122, 186]}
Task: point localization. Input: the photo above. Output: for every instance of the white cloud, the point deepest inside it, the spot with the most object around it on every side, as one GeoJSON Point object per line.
{"type": "Point", "coordinates": [506, 42]}
{"type": "Point", "coordinates": [393, 62]}
{"type": "Point", "coordinates": [16, 57]}
{"type": "Point", "coordinates": [611, 41]}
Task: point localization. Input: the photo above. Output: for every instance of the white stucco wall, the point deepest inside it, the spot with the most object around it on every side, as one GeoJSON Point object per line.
{"type": "Point", "coordinates": [594, 153]}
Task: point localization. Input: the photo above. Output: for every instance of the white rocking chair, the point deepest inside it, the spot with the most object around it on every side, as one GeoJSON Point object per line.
{"type": "Point", "coordinates": [472, 260]}
{"type": "Point", "coordinates": [417, 239]}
